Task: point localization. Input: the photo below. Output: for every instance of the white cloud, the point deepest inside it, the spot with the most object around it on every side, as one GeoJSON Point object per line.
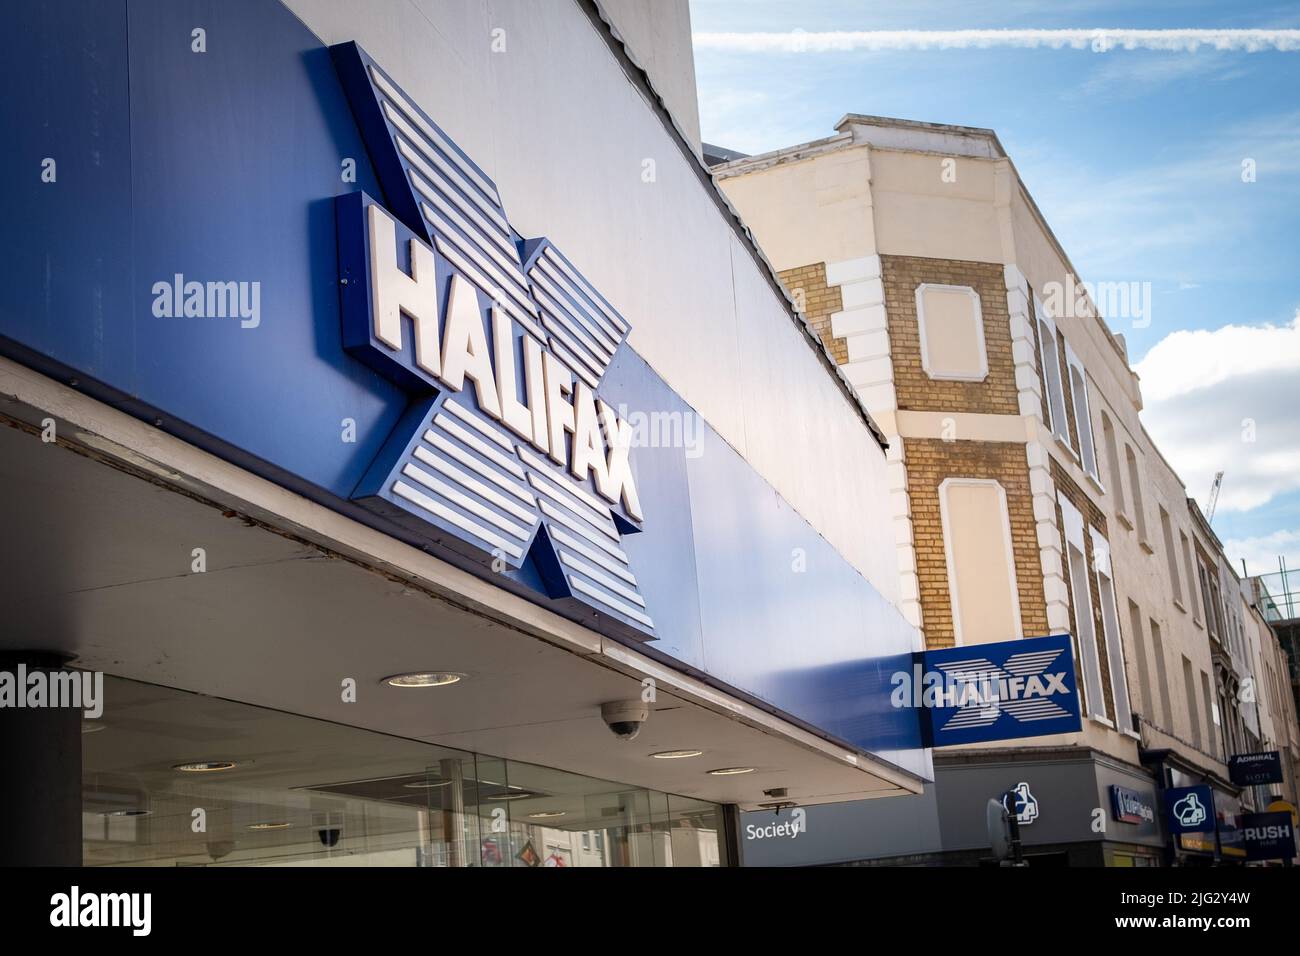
{"type": "Point", "coordinates": [1261, 553]}
{"type": "Point", "coordinates": [1099, 40]}
{"type": "Point", "coordinates": [1191, 360]}
{"type": "Point", "coordinates": [1225, 400]}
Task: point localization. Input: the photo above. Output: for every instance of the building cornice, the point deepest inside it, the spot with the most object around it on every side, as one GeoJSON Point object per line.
{"type": "Point", "coordinates": [640, 78]}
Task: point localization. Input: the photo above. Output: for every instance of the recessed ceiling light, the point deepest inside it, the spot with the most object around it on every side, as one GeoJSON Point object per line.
{"type": "Point", "coordinates": [546, 814]}
{"type": "Point", "coordinates": [513, 795]}
{"type": "Point", "coordinates": [424, 679]}
{"type": "Point", "coordinates": [426, 784]}
{"type": "Point", "coordinates": [730, 771]}
{"type": "Point", "coordinates": [676, 754]}
{"type": "Point", "coordinates": [92, 726]}
{"type": "Point", "coordinates": [275, 825]}
{"type": "Point", "coordinates": [127, 813]}
{"type": "Point", "coordinates": [205, 766]}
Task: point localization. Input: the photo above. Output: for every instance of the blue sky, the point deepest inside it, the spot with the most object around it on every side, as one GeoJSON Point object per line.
{"type": "Point", "coordinates": [1135, 157]}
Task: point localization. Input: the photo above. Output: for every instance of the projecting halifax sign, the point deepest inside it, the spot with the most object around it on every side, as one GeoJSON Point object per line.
{"type": "Point", "coordinates": [1003, 691]}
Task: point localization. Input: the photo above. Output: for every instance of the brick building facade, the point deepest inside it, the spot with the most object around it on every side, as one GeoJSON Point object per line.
{"type": "Point", "coordinates": [1027, 498]}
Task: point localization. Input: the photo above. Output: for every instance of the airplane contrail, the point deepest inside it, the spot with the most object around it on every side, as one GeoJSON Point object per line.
{"type": "Point", "coordinates": [1097, 40]}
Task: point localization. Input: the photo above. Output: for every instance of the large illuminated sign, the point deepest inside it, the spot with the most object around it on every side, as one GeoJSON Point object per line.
{"type": "Point", "coordinates": [507, 452]}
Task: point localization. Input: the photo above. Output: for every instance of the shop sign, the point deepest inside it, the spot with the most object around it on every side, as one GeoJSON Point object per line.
{"type": "Point", "coordinates": [1248, 770]}
{"type": "Point", "coordinates": [507, 452]}
{"type": "Point", "coordinates": [1129, 806]}
{"type": "Point", "coordinates": [1190, 809]}
{"type": "Point", "coordinates": [1268, 836]}
{"type": "Point", "coordinates": [1001, 691]}
{"type": "Point", "coordinates": [1026, 808]}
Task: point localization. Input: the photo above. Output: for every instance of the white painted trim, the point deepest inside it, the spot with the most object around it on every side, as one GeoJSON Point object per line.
{"type": "Point", "coordinates": [979, 333]}
{"type": "Point", "coordinates": [1058, 423]}
{"type": "Point", "coordinates": [962, 426]}
{"type": "Point", "coordinates": [1048, 535]}
{"type": "Point", "coordinates": [1084, 624]}
{"type": "Point", "coordinates": [1073, 363]}
{"type": "Point", "coordinates": [864, 326]}
{"type": "Point", "coordinates": [949, 559]}
{"type": "Point", "coordinates": [1114, 643]}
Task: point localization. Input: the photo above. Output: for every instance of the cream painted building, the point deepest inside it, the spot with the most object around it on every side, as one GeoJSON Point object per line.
{"type": "Point", "coordinates": [1026, 496]}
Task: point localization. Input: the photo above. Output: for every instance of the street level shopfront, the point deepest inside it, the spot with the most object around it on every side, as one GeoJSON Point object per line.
{"type": "Point", "coordinates": [1074, 810]}
{"type": "Point", "coordinates": [287, 790]}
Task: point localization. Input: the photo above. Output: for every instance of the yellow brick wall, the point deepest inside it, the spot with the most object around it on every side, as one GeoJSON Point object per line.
{"type": "Point", "coordinates": [807, 285]}
{"type": "Point", "coordinates": [929, 462]}
{"type": "Point", "coordinates": [998, 393]}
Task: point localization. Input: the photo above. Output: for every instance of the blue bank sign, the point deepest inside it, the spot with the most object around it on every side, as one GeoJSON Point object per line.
{"type": "Point", "coordinates": [984, 692]}
{"type": "Point", "coordinates": [385, 344]}
{"type": "Point", "coordinates": [1190, 809]}
{"type": "Point", "coordinates": [1129, 806]}
{"type": "Point", "coordinates": [507, 451]}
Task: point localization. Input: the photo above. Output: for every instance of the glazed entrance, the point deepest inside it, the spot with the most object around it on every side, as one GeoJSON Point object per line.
{"type": "Point", "coordinates": [172, 778]}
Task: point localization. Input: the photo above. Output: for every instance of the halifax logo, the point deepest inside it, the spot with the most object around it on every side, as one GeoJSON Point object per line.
{"type": "Point", "coordinates": [506, 455]}
{"type": "Point", "coordinates": [999, 691]}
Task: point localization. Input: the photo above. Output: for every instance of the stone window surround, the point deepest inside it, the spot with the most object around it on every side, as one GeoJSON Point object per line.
{"type": "Point", "coordinates": [944, 521]}
{"type": "Point", "coordinates": [979, 334]}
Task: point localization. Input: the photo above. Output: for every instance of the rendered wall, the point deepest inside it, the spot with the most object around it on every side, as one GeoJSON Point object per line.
{"type": "Point", "coordinates": [566, 145]}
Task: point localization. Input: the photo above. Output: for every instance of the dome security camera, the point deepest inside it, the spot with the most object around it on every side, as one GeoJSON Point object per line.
{"type": "Point", "coordinates": [625, 717]}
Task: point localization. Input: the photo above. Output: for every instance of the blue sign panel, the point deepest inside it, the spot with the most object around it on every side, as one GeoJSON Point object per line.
{"type": "Point", "coordinates": [1002, 691]}
{"type": "Point", "coordinates": [508, 451]}
{"type": "Point", "coordinates": [1268, 836]}
{"type": "Point", "coordinates": [257, 304]}
{"type": "Point", "coordinates": [1026, 807]}
{"type": "Point", "coordinates": [1129, 806]}
{"type": "Point", "coordinates": [1190, 809]}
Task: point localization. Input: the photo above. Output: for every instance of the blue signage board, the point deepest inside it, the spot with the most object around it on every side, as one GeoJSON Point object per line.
{"type": "Point", "coordinates": [1248, 770]}
{"type": "Point", "coordinates": [345, 309]}
{"type": "Point", "coordinates": [1129, 806]}
{"type": "Point", "coordinates": [1190, 809]}
{"type": "Point", "coordinates": [509, 451]}
{"type": "Point", "coordinates": [1268, 836]}
{"type": "Point", "coordinates": [984, 692]}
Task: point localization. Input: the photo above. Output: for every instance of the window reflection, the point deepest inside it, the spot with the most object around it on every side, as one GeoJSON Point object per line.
{"type": "Point", "coordinates": [307, 792]}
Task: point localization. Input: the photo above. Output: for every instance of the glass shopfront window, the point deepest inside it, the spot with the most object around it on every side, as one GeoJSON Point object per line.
{"type": "Point", "coordinates": [171, 778]}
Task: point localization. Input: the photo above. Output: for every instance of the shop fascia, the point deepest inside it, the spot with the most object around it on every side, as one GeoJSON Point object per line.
{"type": "Point", "coordinates": [450, 345]}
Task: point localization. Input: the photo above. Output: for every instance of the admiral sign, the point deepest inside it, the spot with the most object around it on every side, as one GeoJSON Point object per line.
{"type": "Point", "coordinates": [1002, 691]}
{"type": "Point", "coordinates": [1247, 770]}
{"type": "Point", "coordinates": [506, 453]}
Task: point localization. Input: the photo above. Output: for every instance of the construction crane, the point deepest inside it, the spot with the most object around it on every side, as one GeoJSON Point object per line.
{"type": "Point", "coordinates": [1214, 497]}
